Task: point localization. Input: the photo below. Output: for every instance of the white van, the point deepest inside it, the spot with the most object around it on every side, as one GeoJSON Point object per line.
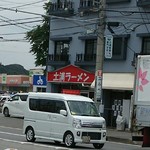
{"type": "Point", "coordinates": [63, 118]}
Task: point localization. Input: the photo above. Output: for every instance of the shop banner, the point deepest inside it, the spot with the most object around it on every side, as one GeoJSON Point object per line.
{"type": "Point", "coordinates": [68, 91]}
{"type": "Point", "coordinates": [71, 74]}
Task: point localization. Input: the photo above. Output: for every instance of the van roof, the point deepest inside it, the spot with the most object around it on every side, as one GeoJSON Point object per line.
{"type": "Point", "coordinates": [60, 96]}
{"type": "Point", "coordinates": [20, 94]}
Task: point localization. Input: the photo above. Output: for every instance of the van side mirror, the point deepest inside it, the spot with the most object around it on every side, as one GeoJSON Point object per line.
{"type": "Point", "coordinates": [10, 99]}
{"type": "Point", "coordinates": [63, 112]}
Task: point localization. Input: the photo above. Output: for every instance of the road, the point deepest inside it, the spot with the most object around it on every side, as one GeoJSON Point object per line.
{"type": "Point", "coordinates": [11, 138]}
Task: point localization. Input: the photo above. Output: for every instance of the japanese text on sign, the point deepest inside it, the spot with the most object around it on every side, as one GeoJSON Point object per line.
{"type": "Point", "coordinates": [67, 76]}
{"type": "Point", "coordinates": [108, 46]}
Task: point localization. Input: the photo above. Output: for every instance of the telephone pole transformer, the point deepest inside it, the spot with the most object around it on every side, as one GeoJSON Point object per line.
{"type": "Point", "coordinates": [100, 56]}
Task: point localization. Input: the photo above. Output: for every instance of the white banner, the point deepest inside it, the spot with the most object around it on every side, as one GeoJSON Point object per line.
{"type": "Point", "coordinates": [108, 46]}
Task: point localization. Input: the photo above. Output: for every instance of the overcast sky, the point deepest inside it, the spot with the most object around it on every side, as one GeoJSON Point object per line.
{"type": "Point", "coordinates": [13, 26]}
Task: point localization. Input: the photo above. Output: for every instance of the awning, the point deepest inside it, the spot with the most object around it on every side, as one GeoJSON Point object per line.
{"type": "Point", "coordinates": [118, 81]}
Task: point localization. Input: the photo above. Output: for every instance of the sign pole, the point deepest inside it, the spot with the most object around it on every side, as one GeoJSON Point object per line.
{"type": "Point", "coordinates": [100, 57]}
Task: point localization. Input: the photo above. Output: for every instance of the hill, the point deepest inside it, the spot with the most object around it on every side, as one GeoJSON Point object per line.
{"type": "Point", "coordinates": [13, 69]}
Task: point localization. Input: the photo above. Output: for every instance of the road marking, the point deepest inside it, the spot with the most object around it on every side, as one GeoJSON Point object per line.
{"type": "Point", "coordinates": [35, 144]}
{"type": "Point", "coordinates": [10, 128]}
{"type": "Point", "coordinates": [12, 133]}
{"type": "Point", "coordinates": [10, 149]}
{"type": "Point", "coordinates": [124, 144]}
{"type": "Point", "coordinates": [20, 142]}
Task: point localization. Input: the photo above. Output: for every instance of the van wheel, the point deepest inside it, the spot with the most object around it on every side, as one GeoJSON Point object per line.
{"type": "Point", "coordinates": [30, 135]}
{"type": "Point", "coordinates": [98, 145]}
{"type": "Point", "coordinates": [6, 112]}
{"type": "Point", "coordinates": [69, 139]}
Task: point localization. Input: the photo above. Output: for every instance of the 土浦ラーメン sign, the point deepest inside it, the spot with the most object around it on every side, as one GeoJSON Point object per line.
{"type": "Point", "coordinates": [72, 74]}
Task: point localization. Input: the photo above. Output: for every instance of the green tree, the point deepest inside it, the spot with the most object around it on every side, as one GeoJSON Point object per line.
{"type": "Point", "coordinates": [39, 39]}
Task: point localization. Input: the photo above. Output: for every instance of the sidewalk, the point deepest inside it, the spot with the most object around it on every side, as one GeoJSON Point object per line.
{"type": "Point", "coordinates": [120, 136]}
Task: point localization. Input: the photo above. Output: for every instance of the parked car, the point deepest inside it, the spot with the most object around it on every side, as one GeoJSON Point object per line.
{"type": "Point", "coordinates": [15, 105]}
{"type": "Point", "coordinates": [3, 98]}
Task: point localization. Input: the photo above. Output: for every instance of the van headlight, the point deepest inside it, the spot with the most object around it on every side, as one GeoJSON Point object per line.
{"type": "Point", "coordinates": [104, 125]}
{"type": "Point", "coordinates": [76, 123]}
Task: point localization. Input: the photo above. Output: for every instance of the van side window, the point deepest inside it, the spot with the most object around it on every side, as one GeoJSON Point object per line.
{"type": "Point", "coordinates": [23, 97]}
{"type": "Point", "coordinates": [15, 98]}
{"type": "Point", "coordinates": [46, 105]}
{"type": "Point", "coordinates": [34, 104]}
{"type": "Point", "coordinates": [59, 106]}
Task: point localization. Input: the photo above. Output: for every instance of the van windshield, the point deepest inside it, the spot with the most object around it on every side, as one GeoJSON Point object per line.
{"type": "Point", "coordinates": [82, 108]}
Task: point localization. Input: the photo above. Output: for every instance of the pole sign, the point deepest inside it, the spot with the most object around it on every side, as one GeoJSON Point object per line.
{"type": "Point", "coordinates": [98, 88]}
{"type": "Point", "coordinates": [4, 78]}
{"type": "Point", "coordinates": [98, 85]}
{"type": "Point", "coordinates": [39, 80]}
{"type": "Point", "coordinates": [108, 46]}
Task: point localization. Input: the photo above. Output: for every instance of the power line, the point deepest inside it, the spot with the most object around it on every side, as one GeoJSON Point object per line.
{"type": "Point", "coordinates": [23, 19]}
{"type": "Point", "coordinates": [22, 3]}
{"type": "Point", "coordinates": [8, 20]}
{"type": "Point", "coordinates": [20, 23]}
{"type": "Point", "coordinates": [127, 11]}
{"type": "Point", "coordinates": [13, 33]}
{"type": "Point", "coordinates": [16, 10]}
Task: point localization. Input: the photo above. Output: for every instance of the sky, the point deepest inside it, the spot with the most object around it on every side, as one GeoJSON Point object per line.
{"type": "Point", "coordinates": [14, 49]}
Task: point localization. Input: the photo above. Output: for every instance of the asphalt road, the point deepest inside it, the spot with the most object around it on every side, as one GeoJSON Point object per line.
{"type": "Point", "coordinates": [11, 138]}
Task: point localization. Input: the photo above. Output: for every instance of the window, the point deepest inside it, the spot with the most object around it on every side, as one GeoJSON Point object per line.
{"type": "Point", "coordinates": [116, 1]}
{"type": "Point", "coordinates": [146, 45]}
{"type": "Point", "coordinates": [15, 98]}
{"type": "Point", "coordinates": [62, 47]}
{"type": "Point", "coordinates": [119, 48]}
{"type": "Point", "coordinates": [23, 97]}
{"type": "Point", "coordinates": [89, 3]}
{"type": "Point", "coordinates": [90, 49]}
{"type": "Point", "coordinates": [82, 108]}
{"type": "Point", "coordinates": [45, 105]}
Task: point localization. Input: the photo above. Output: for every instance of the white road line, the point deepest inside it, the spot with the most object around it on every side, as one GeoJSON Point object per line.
{"type": "Point", "coordinates": [8, 133]}
{"type": "Point", "coordinates": [10, 149]}
{"type": "Point", "coordinates": [10, 128]}
{"type": "Point", "coordinates": [124, 144]}
{"type": "Point", "coordinates": [35, 144]}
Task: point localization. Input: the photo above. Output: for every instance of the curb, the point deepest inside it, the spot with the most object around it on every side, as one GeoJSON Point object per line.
{"type": "Point", "coordinates": [121, 140]}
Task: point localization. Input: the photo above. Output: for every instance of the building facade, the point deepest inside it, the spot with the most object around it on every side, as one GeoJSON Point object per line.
{"type": "Point", "coordinates": [73, 41]}
{"type": "Point", "coordinates": [15, 83]}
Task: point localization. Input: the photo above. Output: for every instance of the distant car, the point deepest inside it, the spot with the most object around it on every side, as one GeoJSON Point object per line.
{"type": "Point", "coordinates": [15, 105]}
{"type": "Point", "coordinates": [4, 98]}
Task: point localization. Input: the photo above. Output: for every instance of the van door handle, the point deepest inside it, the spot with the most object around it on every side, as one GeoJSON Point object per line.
{"type": "Point", "coordinates": [49, 116]}
{"type": "Point", "coordinates": [54, 117]}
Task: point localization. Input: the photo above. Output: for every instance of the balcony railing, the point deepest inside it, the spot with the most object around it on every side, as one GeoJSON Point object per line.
{"type": "Point", "coordinates": [62, 9]}
{"type": "Point", "coordinates": [84, 59]}
{"type": "Point", "coordinates": [88, 6]}
{"type": "Point", "coordinates": [143, 3]}
{"type": "Point", "coordinates": [116, 1]}
{"type": "Point", "coordinates": [57, 60]}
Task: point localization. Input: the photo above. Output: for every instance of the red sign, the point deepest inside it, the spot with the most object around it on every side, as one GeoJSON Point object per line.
{"type": "Point", "coordinates": [71, 74]}
{"type": "Point", "coordinates": [68, 91]}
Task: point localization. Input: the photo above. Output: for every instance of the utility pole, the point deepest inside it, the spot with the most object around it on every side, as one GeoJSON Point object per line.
{"type": "Point", "coordinates": [100, 56]}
